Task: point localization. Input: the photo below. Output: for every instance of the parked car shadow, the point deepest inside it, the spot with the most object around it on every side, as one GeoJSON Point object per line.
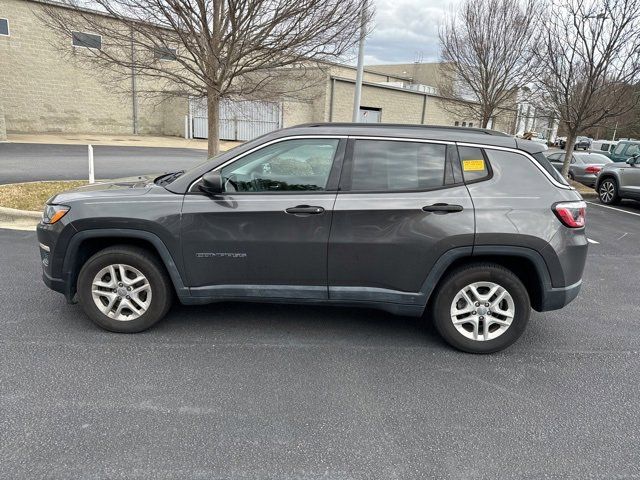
{"type": "Point", "coordinates": [269, 323]}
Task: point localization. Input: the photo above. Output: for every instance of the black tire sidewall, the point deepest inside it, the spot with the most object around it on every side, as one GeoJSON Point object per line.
{"type": "Point", "coordinates": [160, 291]}
{"type": "Point", "coordinates": [483, 273]}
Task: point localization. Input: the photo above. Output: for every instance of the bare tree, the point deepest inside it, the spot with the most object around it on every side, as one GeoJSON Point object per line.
{"type": "Point", "coordinates": [488, 50]}
{"type": "Point", "coordinates": [213, 48]}
{"type": "Point", "coordinates": [590, 54]}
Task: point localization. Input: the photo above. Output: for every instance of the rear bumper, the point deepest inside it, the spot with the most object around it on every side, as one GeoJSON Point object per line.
{"type": "Point", "coordinates": [556, 298]}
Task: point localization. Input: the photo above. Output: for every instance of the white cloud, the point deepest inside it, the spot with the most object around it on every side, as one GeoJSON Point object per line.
{"type": "Point", "coordinates": [406, 31]}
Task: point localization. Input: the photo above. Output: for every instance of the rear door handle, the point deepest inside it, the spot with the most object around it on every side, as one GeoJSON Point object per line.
{"type": "Point", "coordinates": [442, 208]}
{"type": "Point", "coordinates": [306, 209]}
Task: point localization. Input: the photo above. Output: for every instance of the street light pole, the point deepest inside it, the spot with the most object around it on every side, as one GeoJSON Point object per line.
{"type": "Point", "coordinates": [360, 74]}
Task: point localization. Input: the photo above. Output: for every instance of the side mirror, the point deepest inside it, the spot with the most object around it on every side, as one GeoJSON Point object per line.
{"type": "Point", "coordinates": [632, 160]}
{"type": "Point", "coordinates": [211, 183]}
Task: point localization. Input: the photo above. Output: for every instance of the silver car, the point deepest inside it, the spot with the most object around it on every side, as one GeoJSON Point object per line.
{"type": "Point", "coordinates": [619, 180]}
{"type": "Point", "coordinates": [584, 167]}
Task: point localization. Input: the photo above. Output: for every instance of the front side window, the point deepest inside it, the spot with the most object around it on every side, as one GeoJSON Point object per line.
{"type": "Point", "coordinates": [4, 27]}
{"type": "Point", "coordinates": [388, 165]}
{"type": "Point", "coordinates": [619, 148]}
{"type": "Point", "coordinates": [474, 164]}
{"type": "Point", "coordinates": [287, 166]}
{"type": "Point", "coordinates": [87, 40]}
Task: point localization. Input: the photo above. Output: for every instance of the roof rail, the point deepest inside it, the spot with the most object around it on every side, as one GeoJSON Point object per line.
{"type": "Point", "coordinates": [483, 131]}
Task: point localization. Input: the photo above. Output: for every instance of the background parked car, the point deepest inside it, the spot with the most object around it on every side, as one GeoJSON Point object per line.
{"type": "Point", "coordinates": [582, 143]}
{"type": "Point", "coordinates": [624, 150]}
{"type": "Point", "coordinates": [604, 147]}
{"type": "Point", "coordinates": [584, 167]}
{"type": "Point", "coordinates": [559, 140]}
{"type": "Point", "coordinates": [619, 180]}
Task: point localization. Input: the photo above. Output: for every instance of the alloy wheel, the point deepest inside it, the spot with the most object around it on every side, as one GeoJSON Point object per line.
{"type": "Point", "coordinates": [607, 191]}
{"type": "Point", "coordinates": [121, 292]}
{"type": "Point", "coordinates": [482, 311]}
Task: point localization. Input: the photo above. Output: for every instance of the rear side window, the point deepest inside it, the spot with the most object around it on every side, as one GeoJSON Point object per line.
{"type": "Point", "coordinates": [474, 164]}
{"type": "Point", "coordinates": [387, 165]}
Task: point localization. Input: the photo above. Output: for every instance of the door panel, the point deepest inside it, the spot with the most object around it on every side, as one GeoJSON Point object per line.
{"type": "Point", "coordinates": [251, 240]}
{"type": "Point", "coordinates": [387, 241]}
{"type": "Point", "coordinates": [397, 212]}
{"type": "Point", "coordinates": [266, 235]}
{"type": "Point", "coordinates": [630, 179]}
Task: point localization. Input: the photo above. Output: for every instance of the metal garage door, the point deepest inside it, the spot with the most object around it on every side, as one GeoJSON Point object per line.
{"type": "Point", "coordinates": [239, 119]}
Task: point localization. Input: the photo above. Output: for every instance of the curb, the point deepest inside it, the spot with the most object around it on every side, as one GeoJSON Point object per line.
{"type": "Point", "coordinates": [14, 219]}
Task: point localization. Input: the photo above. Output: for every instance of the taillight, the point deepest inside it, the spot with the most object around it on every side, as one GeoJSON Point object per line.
{"type": "Point", "coordinates": [592, 169]}
{"type": "Point", "coordinates": [571, 214]}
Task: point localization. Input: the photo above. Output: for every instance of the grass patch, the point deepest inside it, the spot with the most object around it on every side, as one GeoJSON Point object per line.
{"type": "Point", "coordinates": [582, 189]}
{"type": "Point", "coordinates": [33, 195]}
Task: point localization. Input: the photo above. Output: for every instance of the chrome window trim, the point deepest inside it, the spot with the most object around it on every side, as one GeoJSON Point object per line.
{"type": "Point", "coordinates": [520, 152]}
{"type": "Point", "coordinates": [262, 145]}
{"type": "Point", "coordinates": [401, 139]}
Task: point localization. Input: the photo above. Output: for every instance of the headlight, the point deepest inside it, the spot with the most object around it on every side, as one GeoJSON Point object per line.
{"type": "Point", "coordinates": [53, 213]}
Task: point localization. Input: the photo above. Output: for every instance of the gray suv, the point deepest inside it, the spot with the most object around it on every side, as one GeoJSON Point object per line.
{"type": "Point", "coordinates": [470, 228]}
{"type": "Point", "coordinates": [619, 180]}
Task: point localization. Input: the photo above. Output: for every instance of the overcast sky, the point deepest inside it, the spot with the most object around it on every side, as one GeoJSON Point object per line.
{"type": "Point", "coordinates": [406, 31]}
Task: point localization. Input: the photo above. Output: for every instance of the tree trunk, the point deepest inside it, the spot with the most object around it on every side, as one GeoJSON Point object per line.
{"type": "Point", "coordinates": [486, 118]}
{"type": "Point", "coordinates": [571, 141]}
{"type": "Point", "coordinates": [213, 114]}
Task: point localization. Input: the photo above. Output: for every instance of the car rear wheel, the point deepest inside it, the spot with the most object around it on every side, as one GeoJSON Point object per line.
{"type": "Point", "coordinates": [124, 289]}
{"type": "Point", "coordinates": [481, 308]}
{"type": "Point", "coordinates": [571, 176]}
{"type": "Point", "coordinates": [608, 192]}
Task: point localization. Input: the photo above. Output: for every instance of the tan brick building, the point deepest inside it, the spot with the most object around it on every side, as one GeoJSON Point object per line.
{"type": "Point", "coordinates": [43, 90]}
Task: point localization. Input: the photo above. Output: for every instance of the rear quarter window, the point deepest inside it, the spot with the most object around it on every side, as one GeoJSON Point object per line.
{"type": "Point", "coordinates": [550, 169]}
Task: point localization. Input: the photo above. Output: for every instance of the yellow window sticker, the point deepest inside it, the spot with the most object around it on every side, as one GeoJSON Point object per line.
{"type": "Point", "coordinates": [473, 165]}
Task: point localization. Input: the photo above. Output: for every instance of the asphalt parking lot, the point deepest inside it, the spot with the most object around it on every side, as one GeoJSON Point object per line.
{"type": "Point", "coordinates": [28, 162]}
{"type": "Point", "coordinates": [249, 391]}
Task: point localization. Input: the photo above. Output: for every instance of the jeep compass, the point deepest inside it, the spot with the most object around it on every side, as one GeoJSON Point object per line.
{"type": "Point", "coordinates": [469, 228]}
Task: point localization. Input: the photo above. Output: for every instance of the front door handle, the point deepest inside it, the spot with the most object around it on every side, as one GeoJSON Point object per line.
{"type": "Point", "coordinates": [442, 208]}
{"type": "Point", "coordinates": [306, 209]}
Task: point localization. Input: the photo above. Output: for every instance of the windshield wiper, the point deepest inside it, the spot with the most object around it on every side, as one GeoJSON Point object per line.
{"type": "Point", "coordinates": [168, 177]}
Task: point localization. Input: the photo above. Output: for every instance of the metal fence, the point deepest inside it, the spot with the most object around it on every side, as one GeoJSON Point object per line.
{"type": "Point", "coordinates": [239, 119]}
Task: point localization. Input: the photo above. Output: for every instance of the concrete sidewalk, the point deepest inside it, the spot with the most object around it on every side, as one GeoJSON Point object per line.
{"type": "Point", "coordinates": [115, 140]}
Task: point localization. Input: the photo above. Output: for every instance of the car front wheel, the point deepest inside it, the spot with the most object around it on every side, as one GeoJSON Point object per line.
{"type": "Point", "coordinates": [482, 308]}
{"type": "Point", "coordinates": [608, 192]}
{"type": "Point", "coordinates": [124, 289]}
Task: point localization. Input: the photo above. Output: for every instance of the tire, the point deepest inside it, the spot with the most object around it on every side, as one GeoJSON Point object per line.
{"type": "Point", "coordinates": [498, 336]}
{"type": "Point", "coordinates": [608, 192]}
{"type": "Point", "coordinates": [150, 297]}
{"type": "Point", "coordinates": [571, 177]}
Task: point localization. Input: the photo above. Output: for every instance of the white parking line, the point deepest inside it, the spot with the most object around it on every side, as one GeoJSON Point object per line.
{"type": "Point", "coordinates": [593, 241]}
{"type": "Point", "coordinates": [614, 208]}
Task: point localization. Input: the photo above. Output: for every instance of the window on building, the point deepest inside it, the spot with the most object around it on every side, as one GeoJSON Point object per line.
{"type": "Point", "coordinates": [165, 53]}
{"type": "Point", "coordinates": [464, 124]}
{"type": "Point", "coordinates": [86, 40]}
{"type": "Point", "coordinates": [4, 27]}
{"type": "Point", "coordinates": [457, 124]}
{"type": "Point", "coordinates": [474, 164]}
{"type": "Point", "coordinates": [387, 165]}
{"type": "Point", "coordinates": [471, 124]}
